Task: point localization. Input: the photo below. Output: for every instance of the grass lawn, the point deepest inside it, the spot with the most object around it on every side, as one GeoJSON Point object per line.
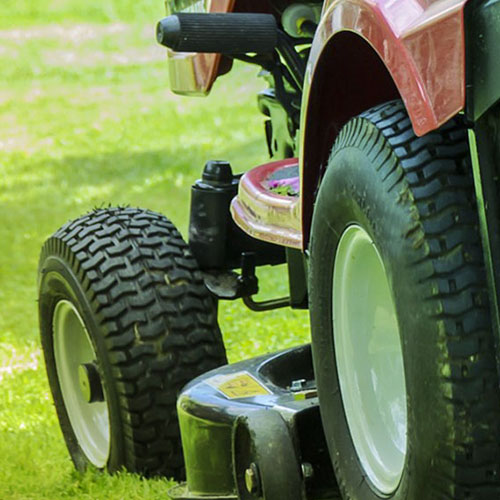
{"type": "Point", "coordinates": [86, 119]}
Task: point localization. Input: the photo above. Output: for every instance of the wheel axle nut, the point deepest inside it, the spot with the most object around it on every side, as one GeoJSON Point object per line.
{"type": "Point", "coordinates": [307, 470]}
{"type": "Point", "coordinates": [252, 479]}
{"type": "Point", "coordinates": [90, 383]}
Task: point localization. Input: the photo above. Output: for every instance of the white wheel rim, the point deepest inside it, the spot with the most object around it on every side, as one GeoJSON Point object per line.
{"type": "Point", "coordinates": [73, 348]}
{"type": "Point", "coordinates": [369, 359]}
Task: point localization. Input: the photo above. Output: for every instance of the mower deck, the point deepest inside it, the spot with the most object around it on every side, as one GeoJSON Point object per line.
{"type": "Point", "coordinates": [253, 430]}
{"type": "Point", "coordinates": [268, 204]}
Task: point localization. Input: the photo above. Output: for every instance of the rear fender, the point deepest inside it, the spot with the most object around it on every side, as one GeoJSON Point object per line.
{"type": "Point", "coordinates": [365, 53]}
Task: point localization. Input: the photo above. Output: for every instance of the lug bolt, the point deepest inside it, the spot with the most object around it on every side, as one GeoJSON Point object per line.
{"type": "Point", "coordinates": [252, 480]}
{"type": "Point", "coordinates": [307, 470]}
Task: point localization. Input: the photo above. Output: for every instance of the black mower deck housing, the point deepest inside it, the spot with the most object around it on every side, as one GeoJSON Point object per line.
{"type": "Point", "coordinates": [253, 429]}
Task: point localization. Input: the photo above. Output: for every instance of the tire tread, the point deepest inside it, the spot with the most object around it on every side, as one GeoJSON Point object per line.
{"type": "Point", "coordinates": [433, 177]}
{"type": "Point", "coordinates": [156, 316]}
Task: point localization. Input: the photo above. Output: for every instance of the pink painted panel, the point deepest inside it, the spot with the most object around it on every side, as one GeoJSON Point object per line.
{"type": "Point", "coordinates": [420, 41]}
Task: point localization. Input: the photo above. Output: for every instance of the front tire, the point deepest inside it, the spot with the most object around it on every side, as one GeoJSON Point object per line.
{"type": "Point", "coordinates": [401, 332]}
{"type": "Point", "coordinates": [126, 322]}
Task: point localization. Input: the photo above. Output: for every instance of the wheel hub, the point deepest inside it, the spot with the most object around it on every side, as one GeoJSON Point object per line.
{"type": "Point", "coordinates": [369, 359]}
{"type": "Point", "coordinates": [90, 383]}
{"type": "Point", "coordinates": [80, 383]}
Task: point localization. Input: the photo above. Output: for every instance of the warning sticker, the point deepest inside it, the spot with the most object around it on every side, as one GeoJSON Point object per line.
{"type": "Point", "coordinates": [238, 385]}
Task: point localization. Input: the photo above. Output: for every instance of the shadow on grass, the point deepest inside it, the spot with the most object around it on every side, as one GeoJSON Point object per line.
{"type": "Point", "coordinates": [102, 177]}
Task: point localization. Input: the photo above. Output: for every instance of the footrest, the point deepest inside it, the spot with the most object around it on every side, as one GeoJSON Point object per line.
{"type": "Point", "coordinates": [268, 204]}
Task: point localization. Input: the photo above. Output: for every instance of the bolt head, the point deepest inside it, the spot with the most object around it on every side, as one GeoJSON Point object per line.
{"type": "Point", "coordinates": [307, 470]}
{"type": "Point", "coordinates": [252, 480]}
{"type": "Point", "coordinates": [298, 385]}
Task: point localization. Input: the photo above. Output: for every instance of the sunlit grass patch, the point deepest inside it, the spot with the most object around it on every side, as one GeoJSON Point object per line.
{"type": "Point", "coordinates": [15, 13]}
{"type": "Point", "coordinates": [14, 359]}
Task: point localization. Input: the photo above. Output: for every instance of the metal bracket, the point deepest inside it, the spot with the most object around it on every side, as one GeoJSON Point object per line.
{"type": "Point", "coordinates": [228, 285]}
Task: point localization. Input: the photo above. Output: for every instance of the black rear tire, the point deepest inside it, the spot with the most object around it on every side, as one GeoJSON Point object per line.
{"type": "Point", "coordinates": [129, 278]}
{"type": "Point", "coordinates": [414, 197]}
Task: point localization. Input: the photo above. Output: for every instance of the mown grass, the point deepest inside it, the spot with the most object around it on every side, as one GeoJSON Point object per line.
{"type": "Point", "coordinates": [16, 13]}
{"type": "Point", "coordinates": [86, 119]}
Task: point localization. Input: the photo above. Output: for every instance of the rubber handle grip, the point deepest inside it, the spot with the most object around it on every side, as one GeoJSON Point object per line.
{"type": "Point", "coordinates": [219, 33]}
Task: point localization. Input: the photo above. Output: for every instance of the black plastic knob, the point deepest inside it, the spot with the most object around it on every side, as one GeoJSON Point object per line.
{"type": "Point", "coordinates": [217, 172]}
{"type": "Point", "coordinates": [220, 33]}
